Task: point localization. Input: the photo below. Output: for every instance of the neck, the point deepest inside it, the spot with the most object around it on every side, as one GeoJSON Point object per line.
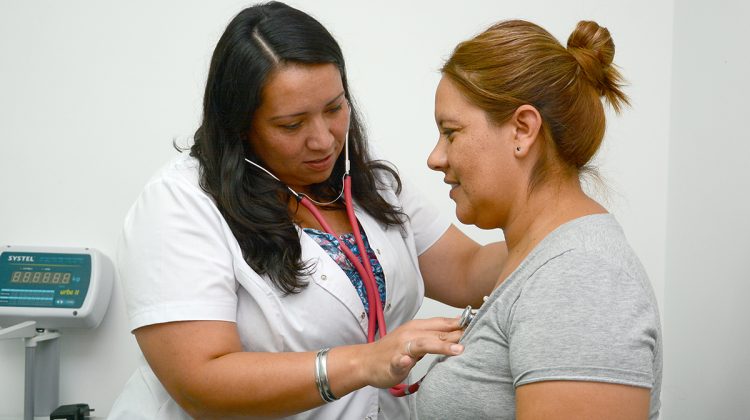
{"type": "Point", "coordinates": [544, 210]}
{"type": "Point", "coordinates": [335, 216]}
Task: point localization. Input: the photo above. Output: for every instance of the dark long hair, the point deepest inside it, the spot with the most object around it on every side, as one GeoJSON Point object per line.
{"type": "Point", "coordinates": [257, 41]}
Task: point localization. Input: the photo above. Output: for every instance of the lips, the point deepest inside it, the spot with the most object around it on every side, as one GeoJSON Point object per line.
{"type": "Point", "coordinates": [453, 185]}
{"type": "Point", "coordinates": [320, 164]}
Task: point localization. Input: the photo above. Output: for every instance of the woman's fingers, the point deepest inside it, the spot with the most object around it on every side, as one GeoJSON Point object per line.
{"type": "Point", "coordinates": [437, 342]}
{"type": "Point", "coordinates": [408, 349]}
{"type": "Point", "coordinates": [445, 343]}
{"type": "Point", "coordinates": [403, 347]}
{"type": "Point", "coordinates": [435, 324]}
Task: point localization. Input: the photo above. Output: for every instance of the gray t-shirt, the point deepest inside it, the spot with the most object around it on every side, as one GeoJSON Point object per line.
{"type": "Point", "coordinates": [580, 307]}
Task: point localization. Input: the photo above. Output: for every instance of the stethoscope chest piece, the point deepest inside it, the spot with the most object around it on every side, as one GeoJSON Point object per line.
{"type": "Point", "coordinates": [466, 317]}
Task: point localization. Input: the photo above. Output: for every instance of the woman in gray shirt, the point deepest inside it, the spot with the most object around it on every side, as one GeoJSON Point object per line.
{"type": "Point", "coordinates": [572, 328]}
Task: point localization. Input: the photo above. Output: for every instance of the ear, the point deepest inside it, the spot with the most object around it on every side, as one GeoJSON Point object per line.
{"type": "Point", "coordinates": [527, 122]}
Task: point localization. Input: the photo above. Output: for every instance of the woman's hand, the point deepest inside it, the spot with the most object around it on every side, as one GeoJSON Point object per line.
{"type": "Point", "coordinates": [388, 361]}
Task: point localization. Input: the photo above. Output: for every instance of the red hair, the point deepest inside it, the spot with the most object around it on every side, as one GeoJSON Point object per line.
{"type": "Point", "coordinates": [515, 62]}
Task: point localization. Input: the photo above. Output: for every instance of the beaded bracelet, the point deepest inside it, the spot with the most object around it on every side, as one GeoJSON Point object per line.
{"type": "Point", "coordinates": [321, 376]}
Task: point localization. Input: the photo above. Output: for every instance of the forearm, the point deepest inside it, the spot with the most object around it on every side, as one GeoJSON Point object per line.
{"type": "Point", "coordinates": [458, 271]}
{"type": "Point", "coordinates": [203, 367]}
{"type": "Point", "coordinates": [267, 384]}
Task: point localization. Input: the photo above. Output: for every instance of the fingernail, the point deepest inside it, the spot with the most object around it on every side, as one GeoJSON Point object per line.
{"type": "Point", "coordinates": [457, 348]}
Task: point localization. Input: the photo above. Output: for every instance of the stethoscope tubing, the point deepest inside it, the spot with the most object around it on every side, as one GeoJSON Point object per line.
{"type": "Point", "coordinates": [375, 310]}
{"type": "Point", "coordinates": [364, 268]}
{"type": "Point", "coordinates": [376, 317]}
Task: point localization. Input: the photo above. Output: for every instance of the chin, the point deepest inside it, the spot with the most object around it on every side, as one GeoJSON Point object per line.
{"type": "Point", "coordinates": [486, 226]}
{"type": "Point", "coordinates": [465, 218]}
{"type": "Point", "coordinates": [320, 178]}
{"type": "Point", "coordinates": [470, 218]}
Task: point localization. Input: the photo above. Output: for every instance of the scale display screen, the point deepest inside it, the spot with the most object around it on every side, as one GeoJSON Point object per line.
{"type": "Point", "coordinates": [52, 280]}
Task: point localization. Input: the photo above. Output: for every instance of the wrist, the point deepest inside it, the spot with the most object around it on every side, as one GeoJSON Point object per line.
{"type": "Point", "coordinates": [321, 376]}
{"type": "Point", "coordinates": [347, 369]}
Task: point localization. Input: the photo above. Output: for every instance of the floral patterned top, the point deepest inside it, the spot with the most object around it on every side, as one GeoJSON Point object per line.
{"type": "Point", "coordinates": [330, 244]}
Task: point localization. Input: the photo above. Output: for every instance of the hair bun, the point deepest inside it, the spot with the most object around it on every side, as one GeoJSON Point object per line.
{"type": "Point", "coordinates": [592, 47]}
{"type": "Point", "coordinates": [592, 40]}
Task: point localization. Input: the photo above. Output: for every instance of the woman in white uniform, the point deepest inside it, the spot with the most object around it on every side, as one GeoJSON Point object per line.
{"type": "Point", "coordinates": [234, 290]}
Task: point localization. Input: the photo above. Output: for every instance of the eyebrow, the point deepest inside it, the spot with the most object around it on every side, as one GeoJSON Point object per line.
{"type": "Point", "coordinates": [278, 117]}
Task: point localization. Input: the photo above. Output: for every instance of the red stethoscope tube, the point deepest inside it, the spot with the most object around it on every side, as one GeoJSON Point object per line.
{"type": "Point", "coordinates": [376, 318]}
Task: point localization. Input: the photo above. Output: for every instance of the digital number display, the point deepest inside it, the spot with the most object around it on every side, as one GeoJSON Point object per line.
{"type": "Point", "coordinates": [38, 277]}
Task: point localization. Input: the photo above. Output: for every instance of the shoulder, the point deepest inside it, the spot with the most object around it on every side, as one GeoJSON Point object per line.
{"type": "Point", "coordinates": [587, 243]}
{"type": "Point", "coordinates": [183, 170]}
{"type": "Point", "coordinates": [585, 270]}
{"type": "Point", "coordinates": [176, 183]}
{"type": "Point", "coordinates": [590, 309]}
{"type": "Point", "coordinates": [589, 257]}
{"type": "Point", "coordinates": [175, 236]}
{"type": "Point", "coordinates": [172, 197]}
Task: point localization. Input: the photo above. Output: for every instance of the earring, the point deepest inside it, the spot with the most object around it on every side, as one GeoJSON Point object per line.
{"type": "Point", "coordinates": [518, 148]}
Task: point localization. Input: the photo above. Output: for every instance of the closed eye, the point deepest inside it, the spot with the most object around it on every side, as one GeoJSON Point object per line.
{"type": "Point", "coordinates": [335, 109]}
{"type": "Point", "coordinates": [448, 133]}
{"type": "Point", "coordinates": [292, 126]}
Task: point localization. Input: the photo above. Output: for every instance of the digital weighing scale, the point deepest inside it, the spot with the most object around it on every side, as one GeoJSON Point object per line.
{"type": "Point", "coordinates": [44, 289]}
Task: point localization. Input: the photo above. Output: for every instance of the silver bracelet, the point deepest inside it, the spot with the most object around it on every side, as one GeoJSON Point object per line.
{"type": "Point", "coordinates": [321, 376]}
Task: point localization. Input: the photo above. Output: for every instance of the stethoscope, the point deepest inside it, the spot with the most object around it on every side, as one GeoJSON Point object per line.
{"type": "Point", "coordinates": [466, 317]}
{"type": "Point", "coordinates": [376, 318]}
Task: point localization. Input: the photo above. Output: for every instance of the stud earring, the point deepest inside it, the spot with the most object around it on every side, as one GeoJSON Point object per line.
{"type": "Point", "coordinates": [518, 148]}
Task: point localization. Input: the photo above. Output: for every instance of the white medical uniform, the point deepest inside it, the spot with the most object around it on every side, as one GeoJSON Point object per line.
{"type": "Point", "coordinates": [178, 260]}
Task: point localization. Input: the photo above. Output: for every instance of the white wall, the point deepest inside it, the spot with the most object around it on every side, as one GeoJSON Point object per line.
{"type": "Point", "coordinates": [708, 231]}
{"type": "Point", "coordinates": [92, 92]}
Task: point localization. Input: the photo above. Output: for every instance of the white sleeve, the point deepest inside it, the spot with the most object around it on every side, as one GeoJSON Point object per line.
{"type": "Point", "coordinates": [174, 261]}
{"type": "Point", "coordinates": [428, 223]}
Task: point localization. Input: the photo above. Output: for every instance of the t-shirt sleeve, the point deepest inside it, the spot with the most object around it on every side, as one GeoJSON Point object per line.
{"type": "Point", "coordinates": [174, 262]}
{"type": "Point", "coordinates": [580, 318]}
{"type": "Point", "coordinates": [428, 223]}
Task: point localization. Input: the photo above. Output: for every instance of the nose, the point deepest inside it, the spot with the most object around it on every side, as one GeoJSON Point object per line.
{"type": "Point", "coordinates": [438, 158]}
{"type": "Point", "coordinates": [321, 135]}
